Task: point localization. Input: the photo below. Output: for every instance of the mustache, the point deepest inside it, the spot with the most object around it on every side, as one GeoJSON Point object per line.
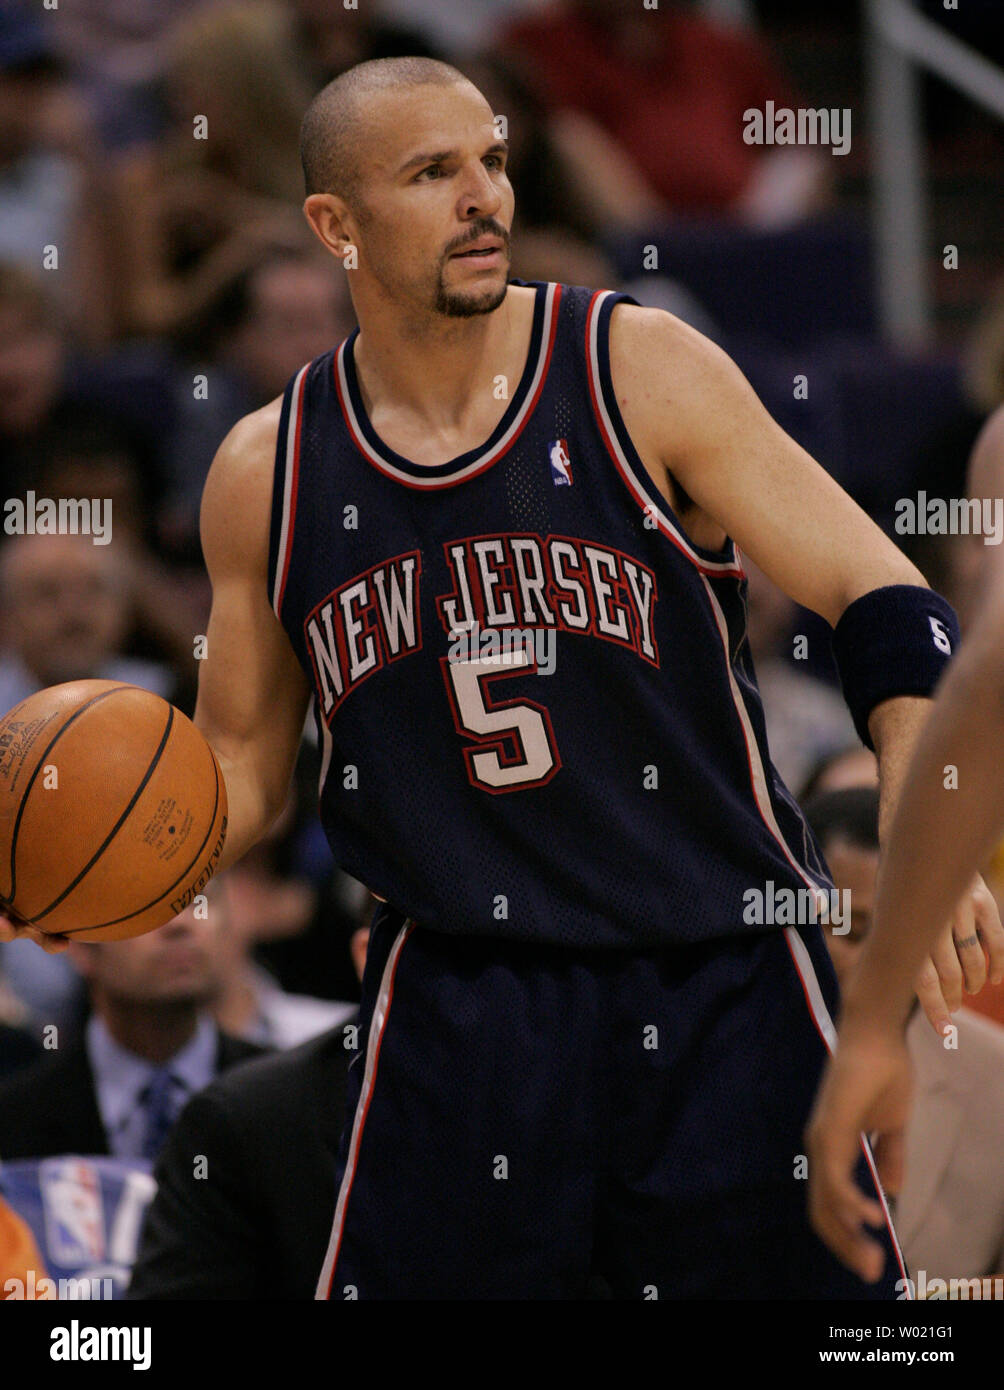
{"type": "Point", "coordinates": [480, 229]}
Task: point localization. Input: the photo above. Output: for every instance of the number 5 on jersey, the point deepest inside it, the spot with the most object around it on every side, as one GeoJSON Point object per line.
{"type": "Point", "coordinates": [515, 745]}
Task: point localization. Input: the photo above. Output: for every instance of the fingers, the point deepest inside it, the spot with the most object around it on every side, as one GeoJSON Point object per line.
{"type": "Point", "coordinates": [838, 1209]}
{"type": "Point", "coordinates": [931, 999]}
{"type": "Point", "coordinates": [988, 924]}
{"type": "Point", "coordinates": [945, 955]}
{"type": "Point", "coordinates": [12, 929]}
{"type": "Point", "coordinates": [49, 942]}
{"type": "Point", "coordinates": [969, 948]}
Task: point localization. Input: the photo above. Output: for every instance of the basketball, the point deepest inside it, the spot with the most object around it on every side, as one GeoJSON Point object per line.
{"type": "Point", "coordinates": [113, 811]}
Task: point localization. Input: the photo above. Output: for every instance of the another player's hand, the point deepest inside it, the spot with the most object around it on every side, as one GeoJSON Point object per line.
{"type": "Point", "coordinates": [959, 959]}
{"type": "Point", "coordinates": [865, 1089]}
{"type": "Point", "coordinates": [12, 928]}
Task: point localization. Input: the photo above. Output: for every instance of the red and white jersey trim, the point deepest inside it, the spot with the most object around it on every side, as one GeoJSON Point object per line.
{"type": "Point", "coordinates": [289, 490]}
{"type": "Point", "coordinates": [487, 456]}
{"type": "Point", "coordinates": [643, 496]}
{"type": "Point", "coordinates": [824, 1024]}
{"type": "Point", "coordinates": [378, 1024]}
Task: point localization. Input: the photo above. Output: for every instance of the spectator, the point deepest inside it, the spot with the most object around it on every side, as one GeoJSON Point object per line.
{"type": "Point", "coordinates": [114, 50]}
{"type": "Point", "coordinates": [17, 1049]}
{"type": "Point", "coordinates": [332, 38]}
{"type": "Point", "coordinates": [950, 1213]}
{"type": "Point", "coordinates": [853, 766]}
{"type": "Point", "coordinates": [224, 183]}
{"type": "Point", "coordinates": [54, 191]}
{"type": "Point", "coordinates": [65, 616]}
{"type": "Point", "coordinates": [286, 308]}
{"type": "Point", "coordinates": [670, 88]}
{"type": "Point", "coordinates": [148, 1046]}
{"type": "Point", "coordinates": [33, 353]}
{"type": "Point", "coordinates": [554, 197]}
{"type": "Point", "coordinates": [165, 608]}
{"type": "Point", "coordinates": [50, 395]}
{"type": "Point", "coordinates": [242, 1233]}
{"type": "Point", "coordinates": [249, 1002]}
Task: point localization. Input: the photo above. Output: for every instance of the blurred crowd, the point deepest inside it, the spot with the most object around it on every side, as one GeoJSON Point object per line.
{"type": "Point", "coordinates": [157, 282]}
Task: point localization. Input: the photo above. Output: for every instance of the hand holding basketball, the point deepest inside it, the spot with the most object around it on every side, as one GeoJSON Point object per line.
{"type": "Point", "coordinates": [113, 813]}
{"type": "Point", "coordinates": [11, 930]}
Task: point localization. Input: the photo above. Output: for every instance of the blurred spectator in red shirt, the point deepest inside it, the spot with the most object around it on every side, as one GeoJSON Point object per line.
{"type": "Point", "coordinates": [671, 88]}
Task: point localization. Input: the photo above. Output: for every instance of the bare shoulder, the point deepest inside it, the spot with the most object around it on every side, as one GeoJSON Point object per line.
{"type": "Point", "coordinates": [237, 499]}
{"type": "Point", "coordinates": [670, 380]}
{"type": "Point", "coordinates": [656, 351]}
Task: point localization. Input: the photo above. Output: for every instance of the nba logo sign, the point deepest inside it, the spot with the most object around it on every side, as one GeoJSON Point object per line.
{"type": "Point", "coordinates": [74, 1216]}
{"type": "Point", "coordinates": [561, 464]}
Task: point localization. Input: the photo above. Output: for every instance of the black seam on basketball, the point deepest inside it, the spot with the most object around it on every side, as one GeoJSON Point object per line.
{"type": "Point", "coordinates": [95, 699]}
{"type": "Point", "coordinates": [100, 926]}
{"type": "Point", "coordinates": [118, 824]}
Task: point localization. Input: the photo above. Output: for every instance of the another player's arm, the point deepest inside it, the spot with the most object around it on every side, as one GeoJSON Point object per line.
{"type": "Point", "coordinates": [924, 869]}
{"type": "Point", "coordinates": [253, 693]}
{"type": "Point", "coordinates": [699, 426]}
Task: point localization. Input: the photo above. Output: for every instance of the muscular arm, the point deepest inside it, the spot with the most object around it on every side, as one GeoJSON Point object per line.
{"type": "Point", "coordinates": [695, 417]}
{"type": "Point", "coordinates": [727, 468]}
{"type": "Point", "coordinates": [252, 692]}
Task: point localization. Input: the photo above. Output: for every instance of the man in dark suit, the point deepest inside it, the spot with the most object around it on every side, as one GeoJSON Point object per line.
{"type": "Point", "coordinates": [17, 1049]}
{"type": "Point", "coordinates": [254, 1222]}
{"type": "Point", "coordinates": [148, 1046]}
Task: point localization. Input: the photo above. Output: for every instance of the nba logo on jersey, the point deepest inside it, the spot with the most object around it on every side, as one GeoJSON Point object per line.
{"type": "Point", "coordinates": [561, 464]}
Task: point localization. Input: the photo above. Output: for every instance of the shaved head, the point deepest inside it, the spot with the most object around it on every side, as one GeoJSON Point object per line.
{"type": "Point", "coordinates": [330, 136]}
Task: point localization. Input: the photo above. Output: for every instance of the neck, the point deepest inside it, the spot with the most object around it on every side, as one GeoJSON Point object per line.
{"type": "Point", "coordinates": [154, 1032]}
{"type": "Point", "coordinates": [434, 367]}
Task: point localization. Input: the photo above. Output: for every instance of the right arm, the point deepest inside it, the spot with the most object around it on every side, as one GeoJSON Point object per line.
{"type": "Point", "coordinates": [253, 694]}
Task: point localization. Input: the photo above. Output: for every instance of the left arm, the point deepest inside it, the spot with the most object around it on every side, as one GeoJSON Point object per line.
{"type": "Point", "coordinates": [700, 428]}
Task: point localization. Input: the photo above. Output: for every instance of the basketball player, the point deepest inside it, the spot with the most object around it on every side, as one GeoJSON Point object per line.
{"type": "Point", "coordinates": [489, 536]}
{"type": "Point", "coordinates": [945, 826]}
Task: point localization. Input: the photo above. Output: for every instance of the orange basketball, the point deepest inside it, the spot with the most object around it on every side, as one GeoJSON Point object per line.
{"type": "Point", "coordinates": [113, 811]}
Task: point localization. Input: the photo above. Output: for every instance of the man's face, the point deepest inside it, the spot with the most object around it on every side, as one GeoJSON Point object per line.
{"type": "Point", "coordinates": [176, 964]}
{"type": "Point", "coordinates": [31, 368]}
{"type": "Point", "coordinates": [65, 605]}
{"type": "Point", "coordinates": [853, 868]}
{"type": "Point", "coordinates": [418, 214]}
{"type": "Point", "coordinates": [298, 312]}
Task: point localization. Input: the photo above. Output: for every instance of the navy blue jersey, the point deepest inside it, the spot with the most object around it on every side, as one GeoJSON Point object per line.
{"type": "Point", "coordinates": [533, 693]}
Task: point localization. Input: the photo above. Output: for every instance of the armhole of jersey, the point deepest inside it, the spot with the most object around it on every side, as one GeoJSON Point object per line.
{"type": "Point", "coordinates": [623, 452]}
{"type": "Point", "coordinates": [284, 489]}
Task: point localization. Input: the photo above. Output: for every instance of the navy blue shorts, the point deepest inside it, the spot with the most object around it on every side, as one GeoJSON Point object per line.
{"type": "Point", "coordinates": [539, 1123]}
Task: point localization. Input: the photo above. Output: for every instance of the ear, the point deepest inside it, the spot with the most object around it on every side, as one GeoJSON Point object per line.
{"type": "Point", "coordinates": [331, 222]}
